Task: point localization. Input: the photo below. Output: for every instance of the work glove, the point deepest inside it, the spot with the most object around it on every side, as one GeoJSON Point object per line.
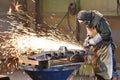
{"type": "Point", "coordinates": [96, 39]}
{"type": "Point", "coordinates": [92, 41]}
{"type": "Point", "coordinates": [86, 43]}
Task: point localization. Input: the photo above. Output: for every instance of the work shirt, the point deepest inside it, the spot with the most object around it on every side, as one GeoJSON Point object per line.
{"type": "Point", "coordinates": [104, 30]}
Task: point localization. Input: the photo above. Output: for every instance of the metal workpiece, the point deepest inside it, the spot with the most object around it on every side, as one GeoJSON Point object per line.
{"type": "Point", "coordinates": [54, 65]}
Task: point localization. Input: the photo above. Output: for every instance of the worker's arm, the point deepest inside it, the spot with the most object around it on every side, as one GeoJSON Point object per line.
{"type": "Point", "coordinates": [104, 33]}
{"type": "Point", "coordinates": [104, 30]}
{"type": "Point", "coordinates": [92, 41]}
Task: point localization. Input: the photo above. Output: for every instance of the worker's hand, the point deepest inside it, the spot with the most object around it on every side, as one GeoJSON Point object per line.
{"type": "Point", "coordinates": [86, 43]}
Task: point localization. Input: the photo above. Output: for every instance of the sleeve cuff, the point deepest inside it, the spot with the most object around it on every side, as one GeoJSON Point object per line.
{"type": "Point", "coordinates": [96, 39]}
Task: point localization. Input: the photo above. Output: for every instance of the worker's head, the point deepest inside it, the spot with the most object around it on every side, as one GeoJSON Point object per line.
{"type": "Point", "coordinates": [89, 18]}
{"type": "Point", "coordinates": [84, 17]}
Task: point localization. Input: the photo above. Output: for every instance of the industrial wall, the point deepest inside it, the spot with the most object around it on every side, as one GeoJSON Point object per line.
{"type": "Point", "coordinates": [104, 6]}
{"type": "Point", "coordinates": [107, 7]}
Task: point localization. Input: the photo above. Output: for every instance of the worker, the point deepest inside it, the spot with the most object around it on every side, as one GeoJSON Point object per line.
{"type": "Point", "coordinates": [99, 40]}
